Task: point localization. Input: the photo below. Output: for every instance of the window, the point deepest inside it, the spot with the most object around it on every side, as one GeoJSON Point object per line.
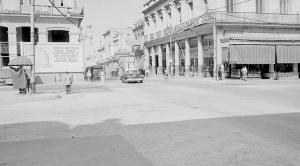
{"type": "Point", "coordinates": [284, 6]}
{"type": "Point", "coordinates": [58, 36]}
{"type": "Point", "coordinates": [259, 6]}
{"type": "Point", "coordinates": [191, 8]}
{"type": "Point", "coordinates": [179, 12]}
{"type": "Point", "coordinates": [229, 6]}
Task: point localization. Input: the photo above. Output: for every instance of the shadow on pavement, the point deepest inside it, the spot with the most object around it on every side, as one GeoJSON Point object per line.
{"type": "Point", "coordinates": [249, 140]}
{"type": "Point", "coordinates": [54, 144]}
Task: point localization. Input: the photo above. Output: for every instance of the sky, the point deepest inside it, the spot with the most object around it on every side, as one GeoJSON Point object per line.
{"type": "Point", "coordinates": [103, 14]}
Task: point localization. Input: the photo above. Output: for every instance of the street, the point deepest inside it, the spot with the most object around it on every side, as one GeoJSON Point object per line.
{"type": "Point", "coordinates": [157, 123]}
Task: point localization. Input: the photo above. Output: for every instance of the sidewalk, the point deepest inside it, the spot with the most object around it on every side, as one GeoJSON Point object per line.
{"type": "Point", "coordinates": [250, 81]}
{"type": "Point", "coordinates": [48, 91]}
{"type": "Point", "coordinates": [10, 96]}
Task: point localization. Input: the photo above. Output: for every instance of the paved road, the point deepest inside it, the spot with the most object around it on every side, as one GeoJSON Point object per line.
{"type": "Point", "coordinates": [158, 123]}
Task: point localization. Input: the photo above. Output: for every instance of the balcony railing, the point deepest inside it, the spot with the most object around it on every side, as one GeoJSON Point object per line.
{"type": "Point", "coordinates": [45, 10]}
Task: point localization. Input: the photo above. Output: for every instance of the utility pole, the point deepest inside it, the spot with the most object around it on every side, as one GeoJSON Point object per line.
{"type": "Point", "coordinates": [32, 42]}
{"type": "Point", "coordinates": [215, 72]}
{"type": "Point", "coordinates": [171, 56]}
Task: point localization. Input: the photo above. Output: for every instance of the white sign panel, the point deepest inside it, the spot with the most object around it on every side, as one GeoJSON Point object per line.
{"type": "Point", "coordinates": [58, 57]}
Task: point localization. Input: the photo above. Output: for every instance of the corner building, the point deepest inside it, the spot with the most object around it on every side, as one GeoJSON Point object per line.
{"type": "Point", "coordinates": [196, 37]}
{"type": "Point", "coordinates": [58, 40]}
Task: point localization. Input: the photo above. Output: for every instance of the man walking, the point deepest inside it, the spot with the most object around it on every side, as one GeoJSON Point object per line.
{"type": "Point", "coordinates": [68, 82]}
{"type": "Point", "coordinates": [244, 73]}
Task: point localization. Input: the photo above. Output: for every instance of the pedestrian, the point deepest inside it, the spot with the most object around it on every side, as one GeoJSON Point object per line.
{"type": "Point", "coordinates": [19, 79]}
{"type": "Point", "coordinates": [220, 73]}
{"type": "Point", "coordinates": [102, 75]}
{"type": "Point", "coordinates": [68, 82]}
{"type": "Point", "coordinates": [28, 76]}
{"type": "Point", "coordinates": [89, 75]}
{"type": "Point", "coordinates": [244, 73]}
{"type": "Point", "coordinates": [166, 71]}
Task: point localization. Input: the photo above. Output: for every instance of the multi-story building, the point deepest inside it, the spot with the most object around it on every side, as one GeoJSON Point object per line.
{"type": "Point", "coordinates": [138, 47]}
{"type": "Point", "coordinates": [116, 51]}
{"type": "Point", "coordinates": [199, 36]}
{"type": "Point", "coordinates": [58, 47]}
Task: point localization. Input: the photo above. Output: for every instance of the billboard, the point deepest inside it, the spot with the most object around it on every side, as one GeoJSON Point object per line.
{"type": "Point", "coordinates": [56, 57]}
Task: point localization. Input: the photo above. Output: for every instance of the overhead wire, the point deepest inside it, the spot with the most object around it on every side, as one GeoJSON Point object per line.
{"type": "Point", "coordinates": [63, 13]}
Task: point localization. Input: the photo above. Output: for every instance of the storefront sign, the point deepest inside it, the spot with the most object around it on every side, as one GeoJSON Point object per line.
{"type": "Point", "coordinates": [204, 19]}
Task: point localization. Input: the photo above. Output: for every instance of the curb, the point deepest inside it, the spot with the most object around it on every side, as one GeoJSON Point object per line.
{"type": "Point", "coordinates": [31, 98]}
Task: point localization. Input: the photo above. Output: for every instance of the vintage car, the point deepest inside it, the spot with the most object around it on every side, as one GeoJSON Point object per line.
{"type": "Point", "coordinates": [130, 77]}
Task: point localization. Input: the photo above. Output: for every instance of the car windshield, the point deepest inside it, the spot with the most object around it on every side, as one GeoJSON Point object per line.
{"type": "Point", "coordinates": [134, 75]}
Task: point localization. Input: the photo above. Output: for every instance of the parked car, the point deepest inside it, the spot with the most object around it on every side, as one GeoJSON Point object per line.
{"type": "Point", "coordinates": [128, 77]}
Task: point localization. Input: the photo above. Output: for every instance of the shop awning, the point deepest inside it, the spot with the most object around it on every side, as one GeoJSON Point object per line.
{"type": "Point", "coordinates": [252, 54]}
{"type": "Point", "coordinates": [288, 54]}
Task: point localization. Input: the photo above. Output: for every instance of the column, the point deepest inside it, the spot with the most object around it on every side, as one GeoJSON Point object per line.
{"type": "Point", "coordinates": [12, 40]}
{"type": "Point", "coordinates": [295, 67]}
{"type": "Point", "coordinates": [152, 54]}
{"type": "Point", "coordinates": [271, 70]}
{"type": "Point", "coordinates": [160, 58]}
{"type": "Point", "coordinates": [217, 51]}
{"type": "Point", "coordinates": [176, 58]}
{"type": "Point", "coordinates": [200, 56]}
{"type": "Point", "coordinates": [168, 57]}
{"type": "Point", "coordinates": [146, 62]}
{"type": "Point", "coordinates": [187, 57]}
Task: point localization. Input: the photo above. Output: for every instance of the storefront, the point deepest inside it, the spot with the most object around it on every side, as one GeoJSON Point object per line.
{"type": "Point", "coordinates": [261, 60]}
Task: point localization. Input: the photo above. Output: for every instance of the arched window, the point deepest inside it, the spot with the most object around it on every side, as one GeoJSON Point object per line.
{"type": "Point", "coordinates": [58, 36]}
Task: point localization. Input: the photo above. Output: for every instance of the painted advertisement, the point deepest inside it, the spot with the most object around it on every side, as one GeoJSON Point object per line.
{"type": "Point", "coordinates": [58, 57]}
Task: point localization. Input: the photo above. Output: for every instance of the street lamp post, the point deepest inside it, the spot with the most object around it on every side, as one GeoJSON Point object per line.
{"type": "Point", "coordinates": [32, 42]}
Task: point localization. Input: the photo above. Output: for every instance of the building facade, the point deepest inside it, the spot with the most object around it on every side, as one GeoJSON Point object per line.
{"type": "Point", "coordinates": [116, 51]}
{"type": "Point", "coordinates": [199, 37]}
{"type": "Point", "coordinates": [58, 45]}
{"type": "Point", "coordinates": [138, 47]}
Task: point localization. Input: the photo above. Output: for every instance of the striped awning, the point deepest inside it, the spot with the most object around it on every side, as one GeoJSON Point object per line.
{"type": "Point", "coordinates": [288, 54]}
{"type": "Point", "coordinates": [252, 54]}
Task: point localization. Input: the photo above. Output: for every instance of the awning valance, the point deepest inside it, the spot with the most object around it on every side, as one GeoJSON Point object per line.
{"type": "Point", "coordinates": [288, 54]}
{"type": "Point", "coordinates": [252, 54]}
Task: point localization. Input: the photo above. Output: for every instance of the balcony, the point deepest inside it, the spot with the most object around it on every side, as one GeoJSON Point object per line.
{"type": "Point", "coordinates": [44, 11]}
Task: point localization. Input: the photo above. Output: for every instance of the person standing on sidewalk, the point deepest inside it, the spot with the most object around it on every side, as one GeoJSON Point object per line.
{"type": "Point", "coordinates": [68, 82]}
{"type": "Point", "coordinates": [102, 75]}
{"type": "Point", "coordinates": [244, 73]}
